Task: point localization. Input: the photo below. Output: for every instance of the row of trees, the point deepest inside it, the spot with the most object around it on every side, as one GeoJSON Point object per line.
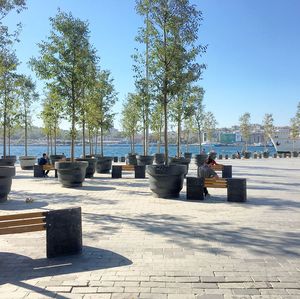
{"type": "Point", "coordinates": [17, 91]}
{"type": "Point", "coordinates": [77, 89]}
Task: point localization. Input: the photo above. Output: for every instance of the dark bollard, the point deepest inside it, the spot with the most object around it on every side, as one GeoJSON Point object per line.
{"type": "Point", "coordinates": [139, 171]}
{"type": "Point", "coordinates": [236, 190]}
{"type": "Point", "coordinates": [226, 157]}
{"type": "Point", "coordinates": [275, 155]}
{"type": "Point", "coordinates": [233, 156]}
{"type": "Point", "coordinates": [220, 157]}
{"type": "Point", "coordinates": [115, 159]}
{"type": "Point", "coordinates": [194, 188]}
{"type": "Point", "coordinates": [116, 172]}
{"type": "Point", "coordinates": [64, 232]}
{"type": "Point", "coordinates": [227, 171]}
{"type": "Point", "coordinates": [122, 159]}
{"type": "Point", "coordinates": [38, 171]}
{"type": "Point", "coordinates": [259, 155]}
{"type": "Point", "coordinates": [255, 156]}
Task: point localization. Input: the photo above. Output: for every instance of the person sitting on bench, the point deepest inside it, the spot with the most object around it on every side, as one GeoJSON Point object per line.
{"type": "Point", "coordinates": [43, 161]}
{"type": "Point", "coordinates": [205, 171]}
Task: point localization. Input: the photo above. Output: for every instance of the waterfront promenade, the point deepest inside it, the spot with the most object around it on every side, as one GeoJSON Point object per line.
{"type": "Point", "coordinates": [139, 246]}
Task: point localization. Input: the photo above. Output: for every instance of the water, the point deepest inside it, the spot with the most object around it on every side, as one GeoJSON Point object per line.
{"type": "Point", "coordinates": [123, 149]}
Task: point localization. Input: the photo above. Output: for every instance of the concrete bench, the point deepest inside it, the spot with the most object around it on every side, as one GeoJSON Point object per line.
{"type": "Point", "coordinates": [38, 170]}
{"type": "Point", "coordinates": [63, 229]}
{"type": "Point", "coordinates": [139, 171]}
{"type": "Point", "coordinates": [236, 188]}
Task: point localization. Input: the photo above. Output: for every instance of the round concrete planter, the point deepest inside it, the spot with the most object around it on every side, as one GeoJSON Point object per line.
{"type": "Point", "coordinates": [6, 174]}
{"type": "Point", "coordinates": [144, 160]}
{"type": "Point", "coordinates": [166, 181]}
{"type": "Point", "coordinates": [103, 164]}
{"type": "Point", "coordinates": [180, 161]}
{"type": "Point", "coordinates": [90, 170]}
{"type": "Point", "coordinates": [200, 159]}
{"type": "Point", "coordinates": [159, 158]}
{"type": "Point", "coordinates": [266, 154]}
{"type": "Point", "coordinates": [27, 162]}
{"type": "Point", "coordinates": [255, 156]}
{"type": "Point", "coordinates": [131, 159]}
{"type": "Point", "coordinates": [55, 158]}
{"type": "Point", "coordinates": [247, 155]}
{"type": "Point", "coordinates": [8, 161]}
{"type": "Point", "coordinates": [295, 154]}
{"type": "Point", "coordinates": [188, 156]}
{"type": "Point", "coordinates": [71, 174]}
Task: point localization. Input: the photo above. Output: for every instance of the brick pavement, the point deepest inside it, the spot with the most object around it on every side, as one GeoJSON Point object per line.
{"type": "Point", "coordinates": [139, 246]}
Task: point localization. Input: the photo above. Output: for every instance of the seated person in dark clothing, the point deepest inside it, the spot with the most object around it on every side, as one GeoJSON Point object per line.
{"type": "Point", "coordinates": [43, 161]}
{"type": "Point", "coordinates": [205, 171]}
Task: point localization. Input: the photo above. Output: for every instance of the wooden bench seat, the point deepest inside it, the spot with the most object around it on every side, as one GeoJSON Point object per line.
{"type": "Point", "coordinates": [63, 229]}
{"type": "Point", "coordinates": [236, 188]}
{"type": "Point", "coordinates": [139, 170]}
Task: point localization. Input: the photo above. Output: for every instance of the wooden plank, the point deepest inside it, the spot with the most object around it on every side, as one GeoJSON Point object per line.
{"type": "Point", "coordinates": [48, 167]}
{"type": "Point", "coordinates": [23, 216]}
{"type": "Point", "coordinates": [22, 229]}
{"type": "Point", "coordinates": [128, 167]}
{"type": "Point", "coordinates": [12, 223]}
{"type": "Point", "coordinates": [218, 167]}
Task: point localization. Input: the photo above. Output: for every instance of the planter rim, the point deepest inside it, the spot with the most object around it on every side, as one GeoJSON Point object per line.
{"type": "Point", "coordinates": [162, 170]}
{"type": "Point", "coordinates": [69, 164]}
{"type": "Point", "coordinates": [7, 171]}
{"type": "Point", "coordinates": [27, 157]}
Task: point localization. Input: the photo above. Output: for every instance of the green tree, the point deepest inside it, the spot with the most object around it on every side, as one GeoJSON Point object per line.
{"type": "Point", "coordinates": [197, 95]}
{"type": "Point", "coordinates": [157, 124]}
{"type": "Point", "coordinates": [210, 124]}
{"type": "Point", "coordinates": [294, 130]}
{"type": "Point", "coordinates": [103, 99]}
{"type": "Point", "coordinates": [64, 62]}
{"type": "Point", "coordinates": [27, 95]}
{"type": "Point", "coordinates": [8, 88]}
{"type": "Point", "coordinates": [130, 119]}
{"type": "Point", "coordinates": [268, 127]}
{"type": "Point", "coordinates": [172, 32]}
{"type": "Point", "coordinates": [245, 127]}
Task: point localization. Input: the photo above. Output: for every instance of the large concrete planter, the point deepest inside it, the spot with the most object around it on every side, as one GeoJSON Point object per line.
{"type": "Point", "coordinates": [166, 181]}
{"type": "Point", "coordinates": [6, 174]}
{"type": "Point", "coordinates": [90, 170]}
{"type": "Point", "coordinates": [27, 162]}
{"type": "Point", "coordinates": [8, 161]}
{"type": "Point", "coordinates": [180, 161]}
{"type": "Point", "coordinates": [200, 159]}
{"type": "Point", "coordinates": [56, 158]}
{"type": "Point", "coordinates": [131, 159]}
{"type": "Point", "coordinates": [188, 156]}
{"type": "Point", "coordinates": [144, 160]}
{"type": "Point", "coordinates": [159, 158]}
{"type": "Point", "coordinates": [266, 154]}
{"type": "Point", "coordinates": [71, 174]}
{"type": "Point", "coordinates": [247, 155]}
{"type": "Point", "coordinates": [103, 164]}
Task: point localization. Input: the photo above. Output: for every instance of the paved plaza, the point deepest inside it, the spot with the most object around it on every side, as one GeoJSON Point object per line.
{"type": "Point", "coordinates": [139, 246]}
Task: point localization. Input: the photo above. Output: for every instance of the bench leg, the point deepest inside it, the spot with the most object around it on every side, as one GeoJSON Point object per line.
{"type": "Point", "coordinates": [236, 190]}
{"type": "Point", "coordinates": [139, 171]}
{"type": "Point", "coordinates": [116, 172]}
{"type": "Point", "coordinates": [194, 188]}
{"type": "Point", "coordinates": [55, 172]}
{"type": "Point", "coordinates": [227, 171]}
{"type": "Point", "coordinates": [64, 232]}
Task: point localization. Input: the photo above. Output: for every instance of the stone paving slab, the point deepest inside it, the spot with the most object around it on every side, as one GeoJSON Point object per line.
{"type": "Point", "coordinates": [139, 246]}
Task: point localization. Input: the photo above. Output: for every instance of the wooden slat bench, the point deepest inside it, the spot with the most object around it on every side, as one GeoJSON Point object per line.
{"type": "Point", "coordinates": [236, 188]}
{"type": "Point", "coordinates": [38, 170]}
{"type": "Point", "coordinates": [63, 229]}
{"type": "Point", "coordinates": [139, 171]}
{"type": "Point", "coordinates": [226, 170]}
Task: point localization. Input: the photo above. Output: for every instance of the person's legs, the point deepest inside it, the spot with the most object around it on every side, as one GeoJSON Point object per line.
{"type": "Point", "coordinates": [205, 191]}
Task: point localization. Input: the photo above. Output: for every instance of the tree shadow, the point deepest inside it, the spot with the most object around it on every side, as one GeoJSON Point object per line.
{"type": "Point", "coordinates": [16, 268]}
{"type": "Point", "coordinates": [185, 233]}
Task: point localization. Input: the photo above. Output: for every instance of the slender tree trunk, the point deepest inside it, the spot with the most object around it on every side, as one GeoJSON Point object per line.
{"type": "Point", "coordinates": [96, 142]}
{"type": "Point", "coordinates": [146, 146]}
{"type": "Point", "coordinates": [4, 123]}
{"type": "Point", "coordinates": [187, 141]}
{"type": "Point", "coordinates": [83, 138]}
{"type": "Point", "coordinates": [55, 136]}
{"type": "Point", "coordinates": [101, 140]}
{"type": "Point", "coordinates": [178, 138]}
{"type": "Point", "coordinates": [26, 130]}
{"type": "Point", "coordinates": [51, 144]}
{"type": "Point", "coordinates": [48, 143]}
{"type": "Point", "coordinates": [9, 138]}
{"type": "Point", "coordinates": [133, 145]}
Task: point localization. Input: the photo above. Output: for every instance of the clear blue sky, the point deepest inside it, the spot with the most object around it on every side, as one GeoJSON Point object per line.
{"type": "Point", "coordinates": [253, 56]}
